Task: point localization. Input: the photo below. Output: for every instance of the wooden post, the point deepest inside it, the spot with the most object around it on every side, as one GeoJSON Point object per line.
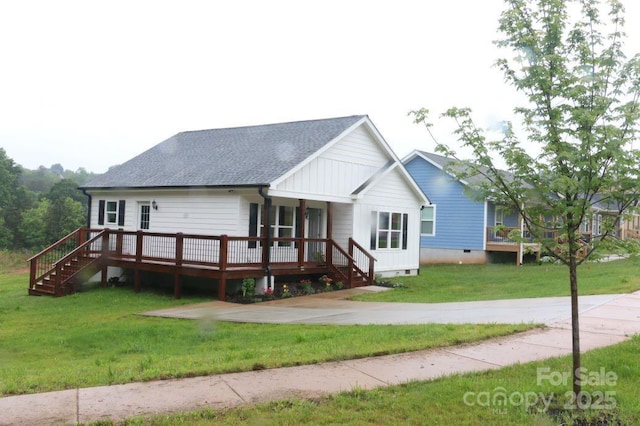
{"type": "Point", "coordinates": [82, 236]}
{"type": "Point", "coordinates": [105, 256]}
{"type": "Point", "coordinates": [177, 285]}
{"type": "Point", "coordinates": [32, 272]}
{"type": "Point", "coordinates": [301, 222]}
{"type": "Point", "coordinates": [136, 277]}
{"type": "Point", "coordinates": [177, 279]}
{"type": "Point", "coordinates": [119, 237]}
{"type": "Point", "coordinates": [139, 239]}
{"type": "Point", "coordinates": [224, 251]}
{"type": "Point", "coordinates": [136, 280]}
{"type": "Point", "coordinates": [222, 287]}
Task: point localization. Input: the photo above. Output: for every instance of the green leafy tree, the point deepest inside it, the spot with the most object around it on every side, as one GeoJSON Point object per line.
{"type": "Point", "coordinates": [575, 147]}
{"type": "Point", "coordinates": [63, 216]}
{"type": "Point", "coordinates": [13, 198]}
{"type": "Point", "coordinates": [32, 227]}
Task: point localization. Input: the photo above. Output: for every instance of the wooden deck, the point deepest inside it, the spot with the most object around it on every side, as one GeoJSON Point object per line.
{"type": "Point", "coordinates": [61, 268]}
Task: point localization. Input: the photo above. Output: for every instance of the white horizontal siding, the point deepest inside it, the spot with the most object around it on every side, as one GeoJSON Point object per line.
{"type": "Point", "coordinates": [191, 212]}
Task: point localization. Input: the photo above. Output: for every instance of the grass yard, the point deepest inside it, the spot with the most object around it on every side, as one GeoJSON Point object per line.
{"type": "Point", "coordinates": [457, 283]}
{"type": "Point", "coordinates": [95, 338]}
{"type": "Point", "coordinates": [443, 401]}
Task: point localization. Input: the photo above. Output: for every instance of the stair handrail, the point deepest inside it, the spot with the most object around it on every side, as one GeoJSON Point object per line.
{"type": "Point", "coordinates": [81, 247]}
{"type": "Point", "coordinates": [370, 274]}
{"type": "Point", "coordinates": [330, 263]}
{"type": "Point", "coordinates": [62, 260]}
{"type": "Point", "coordinates": [57, 243]}
{"type": "Point", "coordinates": [57, 266]}
{"type": "Point", "coordinates": [78, 234]}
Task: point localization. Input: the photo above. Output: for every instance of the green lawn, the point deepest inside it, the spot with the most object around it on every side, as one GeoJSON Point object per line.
{"type": "Point", "coordinates": [459, 399]}
{"type": "Point", "coordinates": [95, 338]}
{"type": "Point", "coordinates": [456, 283]}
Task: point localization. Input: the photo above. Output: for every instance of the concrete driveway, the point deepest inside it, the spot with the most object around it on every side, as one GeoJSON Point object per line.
{"type": "Point", "coordinates": [332, 308]}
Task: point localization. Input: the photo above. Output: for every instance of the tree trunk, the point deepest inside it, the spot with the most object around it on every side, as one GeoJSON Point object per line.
{"type": "Point", "coordinates": [575, 325]}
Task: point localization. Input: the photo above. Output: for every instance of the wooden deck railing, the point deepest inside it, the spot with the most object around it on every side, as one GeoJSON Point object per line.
{"type": "Point", "coordinates": [223, 253]}
{"type": "Point", "coordinates": [501, 235]}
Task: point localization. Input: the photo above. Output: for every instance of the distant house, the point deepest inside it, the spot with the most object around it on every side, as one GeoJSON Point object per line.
{"type": "Point", "coordinates": [627, 227]}
{"type": "Point", "coordinates": [456, 227]}
{"type": "Point", "coordinates": [331, 192]}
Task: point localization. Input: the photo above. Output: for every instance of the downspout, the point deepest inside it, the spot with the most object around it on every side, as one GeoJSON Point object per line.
{"type": "Point", "coordinates": [267, 226]}
{"type": "Point", "coordinates": [84, 191]}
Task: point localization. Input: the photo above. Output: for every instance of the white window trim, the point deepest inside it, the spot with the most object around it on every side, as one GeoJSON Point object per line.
{"type": "Point", "coordinates": [107, 212]}
{"type": "Point", "coordinates": [499, 211]}
{"type": "Point", "coordinates": [433, 234]}
{"type": "Point", "coordinates": [401, 242]}
{"type": "Point", "coordinates": [277, 226]}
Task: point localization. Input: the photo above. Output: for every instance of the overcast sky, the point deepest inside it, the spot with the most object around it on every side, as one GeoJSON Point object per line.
{"type": "Point", "coordinates": [92, 84]}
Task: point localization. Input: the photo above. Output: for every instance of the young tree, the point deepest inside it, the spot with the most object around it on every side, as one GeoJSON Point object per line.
{"type": "Point", "coordinates": [578, 129]}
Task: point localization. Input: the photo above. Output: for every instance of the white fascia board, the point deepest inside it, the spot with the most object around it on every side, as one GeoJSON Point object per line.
{"type": "Point", "coordinates": [312, 197]}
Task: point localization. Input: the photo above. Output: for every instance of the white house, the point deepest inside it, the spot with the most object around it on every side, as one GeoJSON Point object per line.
{"type": "Point", "coordinates": [332, 179]}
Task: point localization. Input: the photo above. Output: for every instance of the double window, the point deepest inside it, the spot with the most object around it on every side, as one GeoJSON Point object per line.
{"type": "Point", "coordinates": [283, 223]}
{"type": "Point", "coordinates": [389, 230]}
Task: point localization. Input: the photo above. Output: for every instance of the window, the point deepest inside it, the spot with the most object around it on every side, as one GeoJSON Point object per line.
{"type": "Point", "coordinates": [282, 223]}
{"type": "Point", "coordinates": [428, 220]}
{"type": "Point", "coordinates": [111, 212]}
{"type": "Point", "coordinates": [499, 219]}
{"type": "Point", "coordinates": [389, 230]}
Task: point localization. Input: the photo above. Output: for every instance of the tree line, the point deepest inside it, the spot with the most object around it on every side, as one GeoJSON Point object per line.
{"type": "Point", "coordinates": [38, 207]}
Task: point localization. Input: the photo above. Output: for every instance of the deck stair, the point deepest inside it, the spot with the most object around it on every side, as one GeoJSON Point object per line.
{"type": "Point", "coordinates": [63, 275]}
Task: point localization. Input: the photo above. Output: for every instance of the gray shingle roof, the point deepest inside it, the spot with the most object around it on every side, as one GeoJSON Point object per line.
{"type": "Point", "coordinates": [240, 156]}
{"type": "Point", "coordinates": [443, 162]}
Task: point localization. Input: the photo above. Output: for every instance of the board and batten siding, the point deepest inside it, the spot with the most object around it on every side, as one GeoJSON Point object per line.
{"type": "Point", "coordinates": [189, 212]}
{"type": "Point", "coordinates": [340, 169]}
{"type": "Point", "coordinates": [343, 219]}
{"type": "Point", "coordinates": [459, 219]}
{"type": "Point", "coordinates": [391, 194]}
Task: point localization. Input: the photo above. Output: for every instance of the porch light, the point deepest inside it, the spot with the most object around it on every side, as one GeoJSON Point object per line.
{"type": "Point", "coordinates": [154, 205]}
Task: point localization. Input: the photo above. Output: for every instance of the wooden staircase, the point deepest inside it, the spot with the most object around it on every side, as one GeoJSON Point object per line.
{"type": "Point", "coordinates": [346, 266]}
{"type": "Point", "coordinates": [58, 270]}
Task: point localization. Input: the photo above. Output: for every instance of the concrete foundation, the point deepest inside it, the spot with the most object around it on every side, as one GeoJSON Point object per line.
{"type": "Point", "coordinates": [459, 256]}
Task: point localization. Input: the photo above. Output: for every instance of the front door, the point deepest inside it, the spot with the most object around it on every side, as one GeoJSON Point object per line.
{"type": "Point", "coordinates": [144, 215]}
{"type": "Point", "coordinates": [314, 230]}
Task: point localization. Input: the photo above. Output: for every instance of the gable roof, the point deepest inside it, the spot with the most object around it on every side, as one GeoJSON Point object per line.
{"type": "Point", "coordinates": [239, 156]}
{"type": "Point", "coordinates": [442, 162]}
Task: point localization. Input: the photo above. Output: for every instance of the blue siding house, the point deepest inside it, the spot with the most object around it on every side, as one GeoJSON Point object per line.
{"type": "Point", "coordinates": [456, 227]}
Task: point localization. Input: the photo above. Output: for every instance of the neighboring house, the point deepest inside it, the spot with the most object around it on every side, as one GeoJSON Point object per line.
{"type": "Point", "coordinates": [456, 227]}
{"type": "Point", "coordinates": [323, 186]}
{"type": "Point", "coordinates": [626, 227]}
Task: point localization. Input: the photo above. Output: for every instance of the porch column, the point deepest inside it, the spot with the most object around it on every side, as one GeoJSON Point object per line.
{"type": "Point", "coordinates": [301, 233]}
{"type": "Point", "coordinates": [329, 221]}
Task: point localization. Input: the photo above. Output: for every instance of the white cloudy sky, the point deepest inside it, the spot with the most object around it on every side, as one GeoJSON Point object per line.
{"type": "Point", "coordinates": [91, 84]}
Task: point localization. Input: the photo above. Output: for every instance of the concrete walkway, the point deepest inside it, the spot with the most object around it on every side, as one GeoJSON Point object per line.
{"type": "Point", "coordinates": [603, 324]}
{"type": "Point", "coordinates": [331, 308]}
